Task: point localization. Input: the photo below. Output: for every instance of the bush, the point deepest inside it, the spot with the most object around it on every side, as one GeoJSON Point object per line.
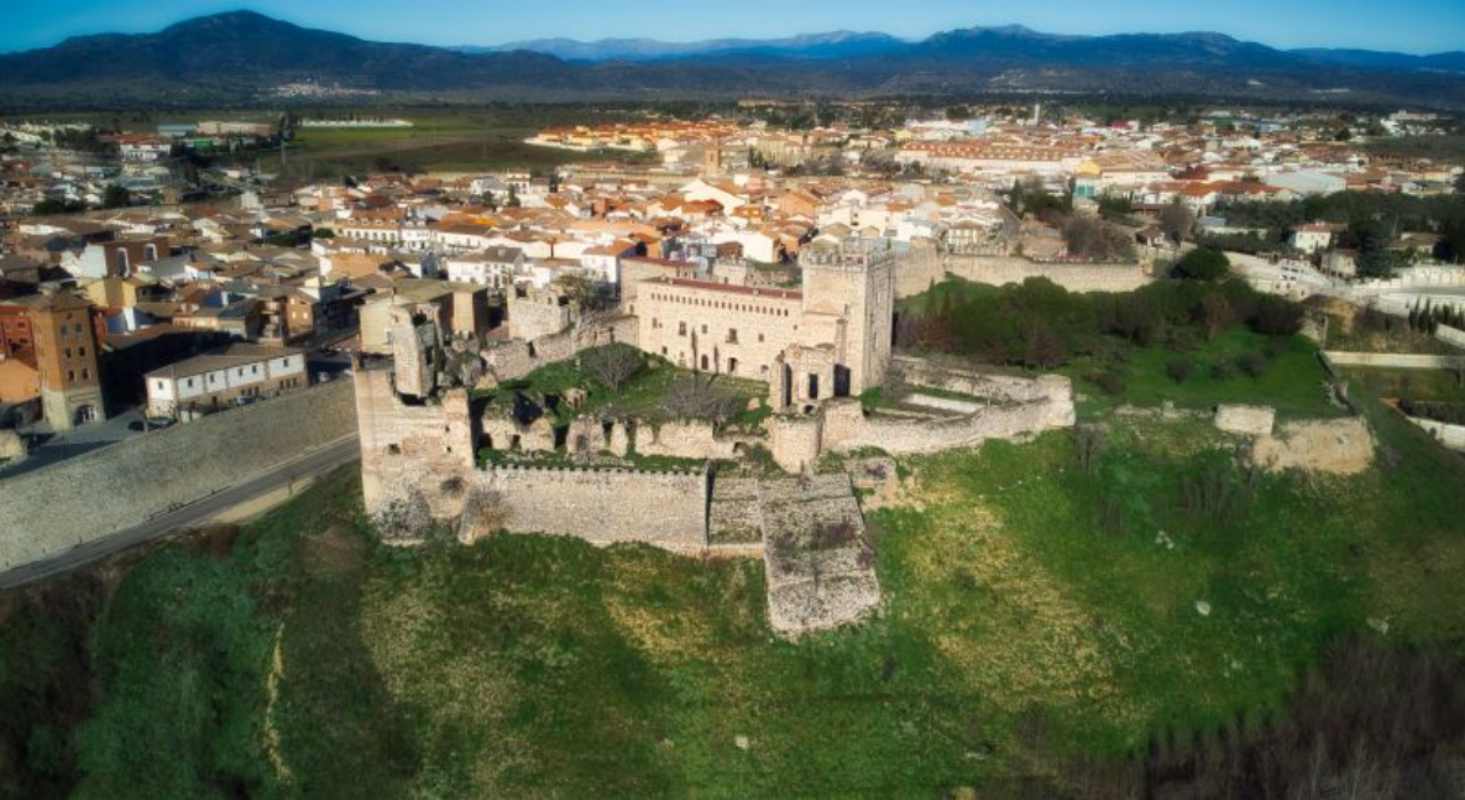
{"type": "Point", "coordinates": [1253, 364]}
{"type": "Point", "coordinates": [1275, 316]}
{"type": "Point", "coordinates": [1202, 264]}
{"type": "Point", "coordinates": [1111, 381]}
{"type": "Point", "coordinates": [1221, 371]}
{"type": "Point", "coordinates": [1179, 369]}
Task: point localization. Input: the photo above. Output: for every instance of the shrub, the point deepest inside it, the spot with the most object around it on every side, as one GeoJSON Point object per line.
{"type": "Point", "coordinates": [1202, 264]}
{"type": "Point", "coordinates": [1253, 364]}
{"type": "Point", "coordinates": [1111, 381]}
{"type": "Point", "coordinates": [1221, 371]}
{"type": "Point", "coordinates": [1179, 369]}
{"type": "Point", "coordinates": [1275, 316]}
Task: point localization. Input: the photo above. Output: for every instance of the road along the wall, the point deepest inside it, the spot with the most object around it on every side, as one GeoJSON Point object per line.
{"type": "Point", "coordinates": [51, 510]}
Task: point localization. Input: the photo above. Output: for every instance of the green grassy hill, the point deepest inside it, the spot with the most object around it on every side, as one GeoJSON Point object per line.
{"type": "Point", "coordinates": [1042, 634]}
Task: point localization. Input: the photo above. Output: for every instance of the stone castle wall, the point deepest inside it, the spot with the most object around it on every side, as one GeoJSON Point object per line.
{"type": "Point", "coordinates": [602, 506]}
{"type": "Point", "coordinates": [843, 426]}
{"type": "Point", "coordinates": [848, 428]}
{"type": "Point", "coordinates": [411, 454]}
{"type": "Point", "coordinates": [990, 386]}
{"type": "Point", "coordinates": [52, 509]}
{"type": "Point", "coordinates": [516, 358]}
{"type": "Point", "coordinates": [918, 269]}
{"type": "Point", "coordinates": [1394, 360]}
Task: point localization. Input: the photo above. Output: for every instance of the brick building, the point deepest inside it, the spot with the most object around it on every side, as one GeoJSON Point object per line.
{"type": "Point", "coordinates": [56, 335]}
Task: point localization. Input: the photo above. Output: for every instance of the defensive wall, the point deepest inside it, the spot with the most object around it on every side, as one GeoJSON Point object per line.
{"type": "Point", "coordinates": [602, 506]}
{"type": "Point", "coordinates": [52, 509]}
{"type": "Point", "coordinates": [1451, 436]}
{"type": "Point", "coordinates": [1394, 360]}
{"type": "Point", "coordinates": [923, 265]}
{"type": "Point", "coordinates": [843, 426]}
{"type": "Point", "coordinates": [515, 358]}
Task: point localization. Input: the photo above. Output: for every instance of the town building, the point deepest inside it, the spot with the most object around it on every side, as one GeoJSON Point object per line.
{"type": "Point", "coordinates": [236, 374]}
{"type": "Point", "coordinates": [58, 339]}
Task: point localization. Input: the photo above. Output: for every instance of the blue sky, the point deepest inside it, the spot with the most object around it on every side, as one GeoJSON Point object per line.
{"type": "Point", "coordinates": [1416, 26]}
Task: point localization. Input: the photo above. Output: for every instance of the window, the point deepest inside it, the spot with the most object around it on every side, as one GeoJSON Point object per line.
{"type": "Point", "coordinates": [67, 351]}
{"type": "Point", "coordinates": [85, 374]}
{"type": "Point", "coordinates": [681, 329]}
{"type": "Point", "coordinates": [70, 374]}
{"type": "Point", "coordinates": [81, 352]}
{"type": "Point", "coordinates": [760, 337]}
{"type": "Point", "coordinates": [732, 335]}
{"type": "Point", "coordinates": [188, 383]}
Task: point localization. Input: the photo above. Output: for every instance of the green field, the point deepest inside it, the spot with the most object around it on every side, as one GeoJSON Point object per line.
{"type": "Point", "coordinates": [444, 142]}
{"type": "Point", "coordinates": [1291, 380]}
{"type": "Point", "coordinates": [1035, 617]}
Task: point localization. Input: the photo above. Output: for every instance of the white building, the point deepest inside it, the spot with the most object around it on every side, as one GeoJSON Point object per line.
{"type": "Point", "coordinates": [237, 374]}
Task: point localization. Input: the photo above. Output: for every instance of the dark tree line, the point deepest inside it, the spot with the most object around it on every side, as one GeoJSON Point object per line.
{"type": "Point", "coordinates": [1039, 324]}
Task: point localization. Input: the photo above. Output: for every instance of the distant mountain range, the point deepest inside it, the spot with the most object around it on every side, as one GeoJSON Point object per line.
{"type": "Point", "coordinates": [240, 57]}
{"type": "Point", "coordinates": [839, 44]}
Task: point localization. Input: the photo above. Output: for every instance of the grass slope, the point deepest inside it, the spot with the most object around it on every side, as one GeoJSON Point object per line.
{"type": "Point", "coordinates": [1033, 615]}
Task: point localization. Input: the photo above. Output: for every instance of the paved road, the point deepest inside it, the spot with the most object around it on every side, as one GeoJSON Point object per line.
{"type": "Point", "coordinates": [315, 462]}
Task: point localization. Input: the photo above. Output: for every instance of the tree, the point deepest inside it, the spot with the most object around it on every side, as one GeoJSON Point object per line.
{"type": "Point", "coordinates": [1176, 220]}
{"type": "Point", "coordinates": [116, 197]}
{"type": "Point", "coordinates": [613, 365]}
{"type": "Point", "coordinates": [1216, 314]}
{"type": "Point", "coordinates": [1202, 264]}
{"type": "Point", "coordinates": [1096, 240]}
{"type": "Point", "coordinates": [323, 233]}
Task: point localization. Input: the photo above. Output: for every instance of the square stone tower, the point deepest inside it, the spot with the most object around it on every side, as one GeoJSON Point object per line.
{"type": "Point", "coordinates": [851, 286]}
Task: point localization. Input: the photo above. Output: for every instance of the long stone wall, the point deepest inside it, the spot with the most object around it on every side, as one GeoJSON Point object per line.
{"type": "Point", "coordinates": [1394, 360]}
{"type": "Point", "coordinates": [842, 425]}
{"type": "Point", "coordinates": [922, 266]}
{"type": "Point", "coordinates": [603, 506]}
{"type": "Point", "coordinates": [50, 510]}
{"type": "Point", "coordinates": [847, 427]}
{"type": "Point", "coordinates": [1451, 436]}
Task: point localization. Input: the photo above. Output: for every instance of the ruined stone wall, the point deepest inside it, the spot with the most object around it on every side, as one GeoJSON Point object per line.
{"type": "Point", "coordinates": [991, 386]}
{"type": "Point", "coordinates": [412, 455]}
{"type": "Point", "coordinates": [683, 439]}
{"type": "Point", "coordinates": [841, 425]}
{"type": "Point", "coordinates": [603, 506]}
{"type": "Point", "coordinates": [1451, 436]}
{"type": "Point", "coordinates": [917, 269]}
{"type": "Point", "coordinates": [85, 498]}
{"type": "Point", "coordinates": [1394, 360]}
{"type": "Point", "coordinates": [537, 314]}
{"type": "Point", "coordinates": [516, 358]}
{"type": "Point", "coordinates": [904, 436]}
{"type": "Point", "coordinates": [795, 440]}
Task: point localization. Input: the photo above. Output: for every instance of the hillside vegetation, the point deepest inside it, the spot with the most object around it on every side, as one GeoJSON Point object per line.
{"type": "Point", "coordinates": [1061, 619]}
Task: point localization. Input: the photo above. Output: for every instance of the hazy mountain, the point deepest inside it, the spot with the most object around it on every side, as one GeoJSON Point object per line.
{"type": "Point", "coordinates": [1375, 59]}
{"type": "Point", "coordinates": [839, 44]}
{"type": "Point", "coordinates": [239, 57]}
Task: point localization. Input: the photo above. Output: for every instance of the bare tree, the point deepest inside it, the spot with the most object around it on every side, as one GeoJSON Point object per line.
{"type": "Point", "coordinates": [1176, 220]}
{"type": "Point", "coordinates": [613, 365]}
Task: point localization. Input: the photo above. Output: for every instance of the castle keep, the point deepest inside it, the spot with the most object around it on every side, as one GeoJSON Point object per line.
{"type": "Point", "coordinates": [830, 339]}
